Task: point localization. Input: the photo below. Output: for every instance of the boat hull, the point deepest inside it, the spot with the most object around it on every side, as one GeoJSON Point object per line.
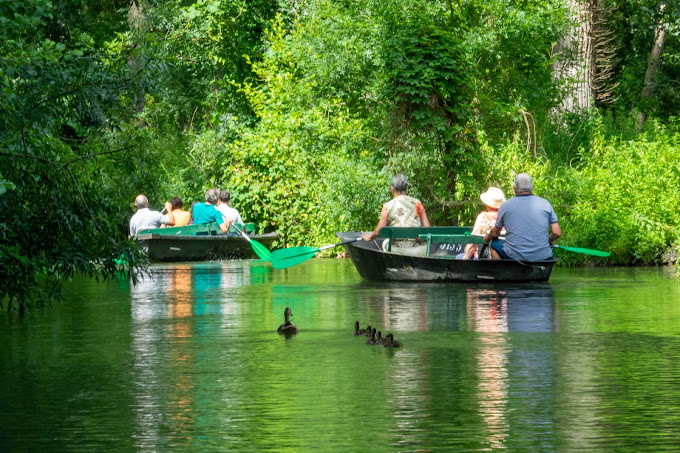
{"type": "Point", "coordinates": [166, 248]}
{"type": "Point", "coordinates": [374, 264]}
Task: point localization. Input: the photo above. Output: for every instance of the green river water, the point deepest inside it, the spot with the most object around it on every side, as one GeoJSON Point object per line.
{"type": "Point", "coordinates": [190, 360]}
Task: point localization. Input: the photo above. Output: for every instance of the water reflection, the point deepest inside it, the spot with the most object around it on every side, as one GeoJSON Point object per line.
{"type": "Point", "coordinates": [488, 313]}
{"type": "Point", "coordinates": [495, 313]}
{"type": "Point", "coordinates": [191, 359]}
{"type": "Point", "coordinates": [177, 309]}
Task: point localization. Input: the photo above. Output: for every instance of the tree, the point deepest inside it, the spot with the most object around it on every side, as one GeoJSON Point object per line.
{"type": "Point", "coordinates": [653, 62]}
{"type": "Point", "coordinates": [58, 97]}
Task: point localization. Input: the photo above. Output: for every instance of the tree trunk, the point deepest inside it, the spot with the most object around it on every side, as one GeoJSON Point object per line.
{"type": "Point", "coordinates": [136, 23]}
{"type": "Point", "coordinates": [574, 69]}
{"type": "Point", "coordinates": [652, 67]}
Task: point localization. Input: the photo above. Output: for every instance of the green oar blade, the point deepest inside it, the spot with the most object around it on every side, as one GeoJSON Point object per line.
{"type": "Point", "coordinates": [583, 251]}
{"type": "Point", "coordinates": [260, 250]}
{"type": "Point", "coordinates": [283, 258]}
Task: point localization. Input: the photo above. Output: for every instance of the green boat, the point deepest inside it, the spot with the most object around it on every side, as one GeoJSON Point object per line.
{"type": "Point", "coordinates": [202, 242]}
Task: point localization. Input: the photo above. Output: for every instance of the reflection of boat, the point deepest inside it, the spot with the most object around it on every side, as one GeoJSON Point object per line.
{"type": "Point", "coordinates": [201, 242]}
{"type": "Point", "coordinates": [440, 263]}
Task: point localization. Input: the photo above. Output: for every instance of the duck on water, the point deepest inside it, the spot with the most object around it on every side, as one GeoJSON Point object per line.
{"type": "Point", "coordinates": [358, 331]}
{"type": "Point", "coordinates": [287, 328]}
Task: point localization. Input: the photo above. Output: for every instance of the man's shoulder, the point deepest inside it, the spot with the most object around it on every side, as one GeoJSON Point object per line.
{"type": "Point", "coordinates": [205, 207]}
{"type": "Point", "coordinates": [514, 201]}
{"type": "Point", "coordinates": [145, 212]}
{"type": "Point", "coordinates": [542, 201]}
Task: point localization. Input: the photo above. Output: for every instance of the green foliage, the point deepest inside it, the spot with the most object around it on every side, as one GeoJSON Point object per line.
{"type": "Point", "coordinates": [304, 110]}
{"type": "Point", "coordinates": [618, 195]}
{"type": "Point", "coordinates": [56, 220]}
{"type": "Point", "coordinates": [296, 171]}
{"type": "Point", "coordinates": [430, 80]}
{"type": "Point", "coordinates": [634, 23]}
{"type": "Point", "coordinates": [627, 201]}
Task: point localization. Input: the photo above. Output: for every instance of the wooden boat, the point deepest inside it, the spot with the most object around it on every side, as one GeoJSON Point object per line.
{"type": "Point", "coordinates": [443, 244]}
{"type": "Point", "coordinates": [201, 243]}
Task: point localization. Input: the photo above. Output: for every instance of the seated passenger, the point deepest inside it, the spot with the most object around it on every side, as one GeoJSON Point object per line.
{"type": "Point", "coordinates": [228, 213]}
{"type": "Point", "coordinates": [206, 212]}
{"type": "Point", "coordinates": [401, 211]}
{"type": "Point", "coordinates": [145, 219]}
{"type": "Point", "coordinates": [492, 198]}
{"type": "Point", "coordinates": [526, 219]}
{"type": "Point", "coordinates": [182, 217]}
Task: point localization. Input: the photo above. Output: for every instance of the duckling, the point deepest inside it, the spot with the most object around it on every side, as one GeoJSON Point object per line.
{"type": "Point", "coordinates": [371, 341]}
{"type": "Point", "coordinates": [358, 331]}
{"type": "Point", "coordinates": [390, 342]}
{"type": "Point", "coordinates": [379, 339]}
{"type": "Point", "coordinates": [288, 328]}
{"type": "Point", "coordinates": [367, 332]}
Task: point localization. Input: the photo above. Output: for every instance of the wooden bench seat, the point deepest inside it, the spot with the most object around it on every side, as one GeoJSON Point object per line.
{"type": "Point", "coordinates": [446, 235]}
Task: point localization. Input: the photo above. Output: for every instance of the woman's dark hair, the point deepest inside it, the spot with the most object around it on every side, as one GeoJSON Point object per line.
{"type": "Point", "coordinates": [191, 212]}
{"type": "Point", "coordinates": [176, 203]}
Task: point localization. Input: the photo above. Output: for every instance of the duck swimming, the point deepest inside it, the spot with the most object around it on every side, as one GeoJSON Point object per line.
{"type": "Point", "coordinates": [372, 341]}
{"type": "Point", "coordinates": [390, 343]}
{"type": "Point", "coordinates": [287, 328]}
{"type": "Point", "coordinates": [379, 339]}
{"type": "Point", "coordinates": [358, 331]}
{"type": "Point", "coordinates": [367, 332]}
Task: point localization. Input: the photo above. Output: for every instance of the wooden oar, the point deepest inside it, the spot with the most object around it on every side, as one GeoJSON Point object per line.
{"type": "Point", "coordinates": [260, 250]}
{"type": "Point", "coordinates": [284, 258]}
{"type": "Point", "coordinates": [563, 247]}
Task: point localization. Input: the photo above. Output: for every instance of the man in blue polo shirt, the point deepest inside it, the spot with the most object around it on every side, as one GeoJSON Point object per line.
{"type": "Point", "coordinates": [206, 212]}
{"type": "Point", "coordinates": [527, 219]}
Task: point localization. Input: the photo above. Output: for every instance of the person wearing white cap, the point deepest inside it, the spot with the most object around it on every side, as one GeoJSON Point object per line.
{"type": "Point", "coordinates": [492, 198]}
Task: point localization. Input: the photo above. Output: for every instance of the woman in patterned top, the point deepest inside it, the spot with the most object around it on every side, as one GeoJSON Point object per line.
{"type": "Point", "coordinates": [401, 211]}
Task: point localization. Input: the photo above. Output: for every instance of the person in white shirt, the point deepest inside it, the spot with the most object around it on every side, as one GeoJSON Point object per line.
{"type": "Point", "coordinates": [145, 219]}
{"type": "Point", "coordinates": [228, 213]}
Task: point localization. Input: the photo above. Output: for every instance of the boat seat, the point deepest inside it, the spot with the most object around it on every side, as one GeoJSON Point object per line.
{"type": "Point", "coordinates": [203, 229]}
{"type": "Point", "coordinates": [396, 233]}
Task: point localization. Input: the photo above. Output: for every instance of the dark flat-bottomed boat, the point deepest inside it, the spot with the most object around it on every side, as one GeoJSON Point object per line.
{"type": "Point", "coordinates": [201, 243]}
{"type": "Point", "coordinates": [377, 262]}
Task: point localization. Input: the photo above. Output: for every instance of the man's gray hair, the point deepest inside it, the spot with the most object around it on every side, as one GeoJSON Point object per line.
{"type": "Point", "coordinates": [211, 195]}
{"type": "Point", "coordinates": [399, 183]}
{"type": "Point", "coordinates": [141, 201]}
{"type": "Point", "coordinates": [225, 196]}
{"type": "Point", "coordinates": [523, 183]}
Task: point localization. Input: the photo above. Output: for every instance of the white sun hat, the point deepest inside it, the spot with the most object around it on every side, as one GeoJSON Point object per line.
{"type": "Point", "coordinates": [493, 197]}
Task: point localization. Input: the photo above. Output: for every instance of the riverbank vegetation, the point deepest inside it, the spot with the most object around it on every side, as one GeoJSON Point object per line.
{"type": "Point", "coordinates": [305, 109]}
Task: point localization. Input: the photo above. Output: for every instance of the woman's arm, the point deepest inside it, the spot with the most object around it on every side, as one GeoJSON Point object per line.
{"type": "Point", "coordinates": [381, 223]}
